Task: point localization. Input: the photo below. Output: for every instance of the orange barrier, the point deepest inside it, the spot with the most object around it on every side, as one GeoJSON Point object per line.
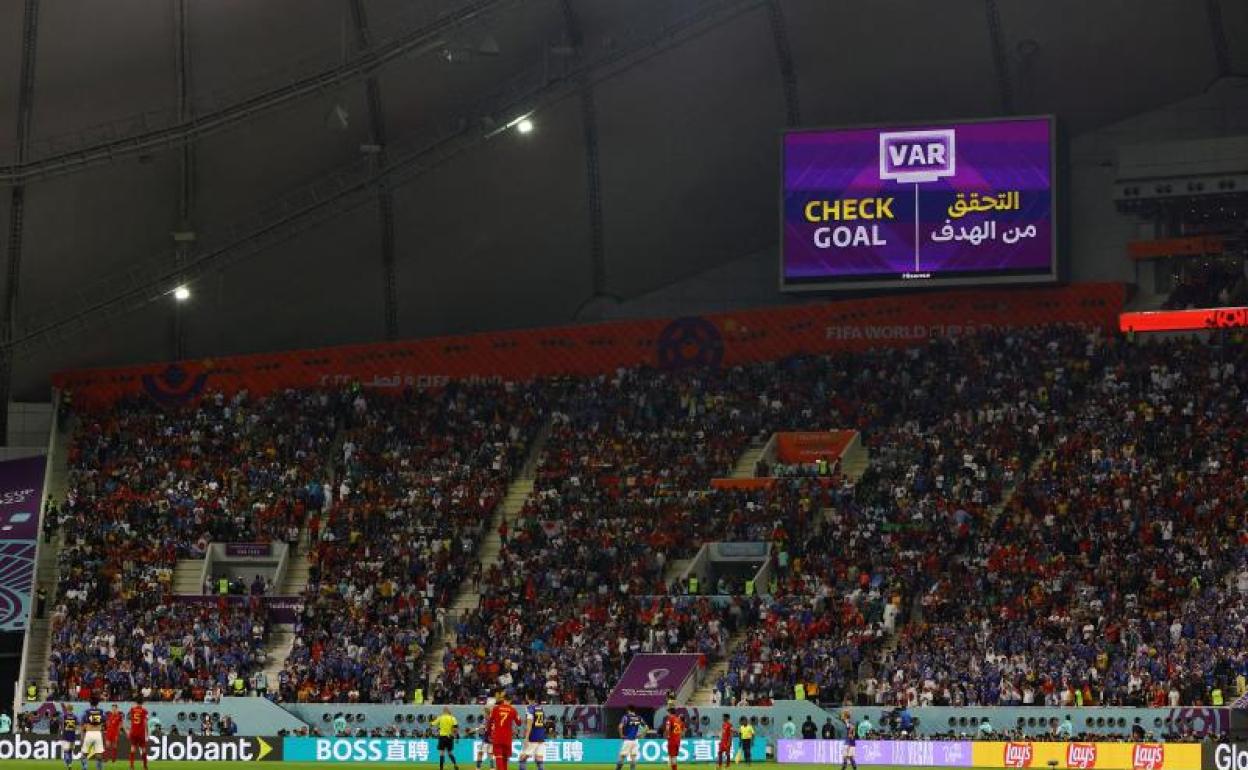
{"type": "Point", "coordinates": [745, 484]}
{"type": "Point", "coordinates": [809, 446]}
{"type": "Point", "coordinates": [712, 340]}
{"type": "Point", "coordinates": [1176, 247]}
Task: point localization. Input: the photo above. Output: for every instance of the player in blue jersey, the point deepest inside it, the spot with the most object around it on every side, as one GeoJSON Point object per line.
{"type": "Point", "coordinates": [69, 737]}
{"type": "Point", "coordinates": [851, 741]}
{"type": "Point", "coordinates": [482, 749]}
{"type": "Point", "coordinates": [632, 730]}
{"type": "Point", "coordinates": [535, 726]}
{"type": "Point", "coordinates": [93, 734]}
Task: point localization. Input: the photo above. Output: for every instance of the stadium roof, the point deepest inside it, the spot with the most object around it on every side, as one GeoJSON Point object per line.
{"type": "Point", "coordinates": [270, 155]}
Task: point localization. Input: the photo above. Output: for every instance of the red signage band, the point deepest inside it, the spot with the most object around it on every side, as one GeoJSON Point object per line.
{"type": "Point", "coordinates": [1184, 320]}
{"type": "Point", "coordinates": [717, 339]}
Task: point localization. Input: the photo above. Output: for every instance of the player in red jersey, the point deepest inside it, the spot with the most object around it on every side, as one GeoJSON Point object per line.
{"type": "Point", "coordinates": [502, 720]}
{"type": "Point", "coordinates": [723, 757]}
{"type": "Point", "coordinates": [674, 730]}
{"type": "Point", "coordinates": [137, 717]}
{"type": "Point", "coordinates": [112, 733]}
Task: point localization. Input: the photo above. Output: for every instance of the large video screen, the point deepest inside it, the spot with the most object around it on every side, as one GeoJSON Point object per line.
{"type": "Point", "coordinates": [940, 204]}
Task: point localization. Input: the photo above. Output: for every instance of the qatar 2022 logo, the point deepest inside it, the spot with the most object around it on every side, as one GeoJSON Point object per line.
{"type": "Point", "coordinates": [174, 384]}
{"type": "Point", "coordinates": [17, 574]}
{"type": "Point", "coordinates": [690, 342]}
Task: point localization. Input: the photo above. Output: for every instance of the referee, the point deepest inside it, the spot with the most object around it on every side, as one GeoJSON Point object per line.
{"type": "Point", "coordinates": [445, 725]}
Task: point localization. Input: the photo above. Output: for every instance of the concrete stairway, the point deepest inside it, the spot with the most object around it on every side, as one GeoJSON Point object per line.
{"type": "Point", "coordinates": [281, 639]}
{"type": "Point", "coordinates": [295, 582]}
{"type": "Point", "coordinates": [703, 695]}
{"type": "Point", "coordinates": [39, 643]}
{"type": "Point", "coordinates": [491, 544]}
{"type": "Point", "coordinates": [855, 461]}
{"type": "Point", "coordinates": [674, 568]}
{"type": "Point", "coordinates": [748, 461]}
{"type": "Point", "coordinates": [468, 598]}
{"type": "Point", "coordinates": [47, 568]}
{"type": "Point", "coordinates": [188, 576]}
{"type": "Point", "coordinates": [277, 649]}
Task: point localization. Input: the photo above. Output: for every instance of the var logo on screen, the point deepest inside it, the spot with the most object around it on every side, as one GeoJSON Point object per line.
{"type": "Point", "coordinates": [917, 156]}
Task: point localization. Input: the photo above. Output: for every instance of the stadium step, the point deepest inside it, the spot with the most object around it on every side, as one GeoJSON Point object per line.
{"type": "Point", "coordinates": [705, 694]}
{"type": "Point", "coordinates": [47, 567]}
{"type": "Point", "coordinates": [295, 582]}
{"type": "Point", "coordinates": [281, 641]}
{"type": "Point", "coordinates": [674, 569]}
{"type": "Point", "coordinates": [748, 461]}
{"type": "Point", "coordinates": [188, 576]}
{"type": "Point", "coordinates": [468, 598]}
{"type": "Point", "coordinates": [855, 461]}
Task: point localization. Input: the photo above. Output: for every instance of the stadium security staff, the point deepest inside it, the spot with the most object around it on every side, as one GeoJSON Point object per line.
{"type": "Point", "coordinates": [747, 739]}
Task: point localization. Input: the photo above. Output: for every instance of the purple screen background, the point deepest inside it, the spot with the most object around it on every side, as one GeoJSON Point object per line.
{"type": "Point", "coordinates": [992, 157]}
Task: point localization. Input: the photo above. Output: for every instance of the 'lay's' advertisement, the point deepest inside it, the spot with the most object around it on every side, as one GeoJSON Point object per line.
{"type": "Point", "coordinates": [997, 754]}
{"type": "Point", "coordinates": [1087, 756]}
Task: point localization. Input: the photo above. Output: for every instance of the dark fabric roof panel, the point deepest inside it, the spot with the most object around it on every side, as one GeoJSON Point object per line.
{"type": "Point", "coordinates": [499, 238]}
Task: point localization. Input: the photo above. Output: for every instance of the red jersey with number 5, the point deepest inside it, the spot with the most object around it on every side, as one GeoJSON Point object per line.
{"type": "Point", "coordinates": [137, 717]}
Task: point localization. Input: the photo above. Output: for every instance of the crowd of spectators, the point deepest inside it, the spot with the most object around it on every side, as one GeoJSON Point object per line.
{"type": "Point", "coordinates": [948, 427]}
{"type": "Point", "coordinates": [150, 484]}
{"type": "Point", "coordinates": [1049, 517]}
{"type": "Point", "coordinates": [627, 463]}
{"type": "Point", "coordinates": [1116, 574]}
{"type": "Point", "coordinates": [417, 480]}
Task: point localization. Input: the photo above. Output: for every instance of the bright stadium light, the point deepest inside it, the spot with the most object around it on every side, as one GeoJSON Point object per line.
{"type": "Point", "coordinates": [182, 294]}
{"type": "Point", "coordinates": [525, 126]}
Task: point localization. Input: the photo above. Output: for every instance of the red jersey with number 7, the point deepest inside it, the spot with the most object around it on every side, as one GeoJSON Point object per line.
{"type": "Point", "coordinates": [503, 718]}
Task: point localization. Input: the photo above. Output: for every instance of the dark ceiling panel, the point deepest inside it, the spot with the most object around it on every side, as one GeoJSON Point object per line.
{"type": "Point", "coordinates": [603, 21]}
{"type": "Point", "coordinates": [239, 46]}
{"type": "Point", "coordinates": [84, 228]}
{"type": "Point", "coordinates": [10, 73]}
{"type": "Point", "coordinates": [891, 60]}
{"type": "Point", "coordinates": [689, 156]}
{"type": "Point", "coordinates": [1235, 24]}
{"type": "Point", "coordinates": [254, 166]}
{"type": "Point", "coordinates": [100, 62]}
{"type": "Point", "coordinates": [424, 95]}
{"type": "Point", "coordinates": [323, 287]}
{"type": "Point", "coordinates": [497, 238]}
{"type": "Point", "coordinates": [1096, 63]}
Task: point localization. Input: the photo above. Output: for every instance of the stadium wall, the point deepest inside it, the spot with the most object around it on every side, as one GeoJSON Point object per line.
{"type": "Point", "coordinates": [254, 716]}
{"type": "Point", "coordinates": [259, 716]}
{"type": "Point", "coordinates": [719, 339]}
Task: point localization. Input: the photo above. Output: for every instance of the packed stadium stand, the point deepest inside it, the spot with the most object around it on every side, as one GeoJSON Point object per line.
{"type": "Point", "coordinates": [148, 485]}
{"type": "Point", "coordinates": [418, 479]}
{"type": "Point", "coordinates": [968, 565]}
